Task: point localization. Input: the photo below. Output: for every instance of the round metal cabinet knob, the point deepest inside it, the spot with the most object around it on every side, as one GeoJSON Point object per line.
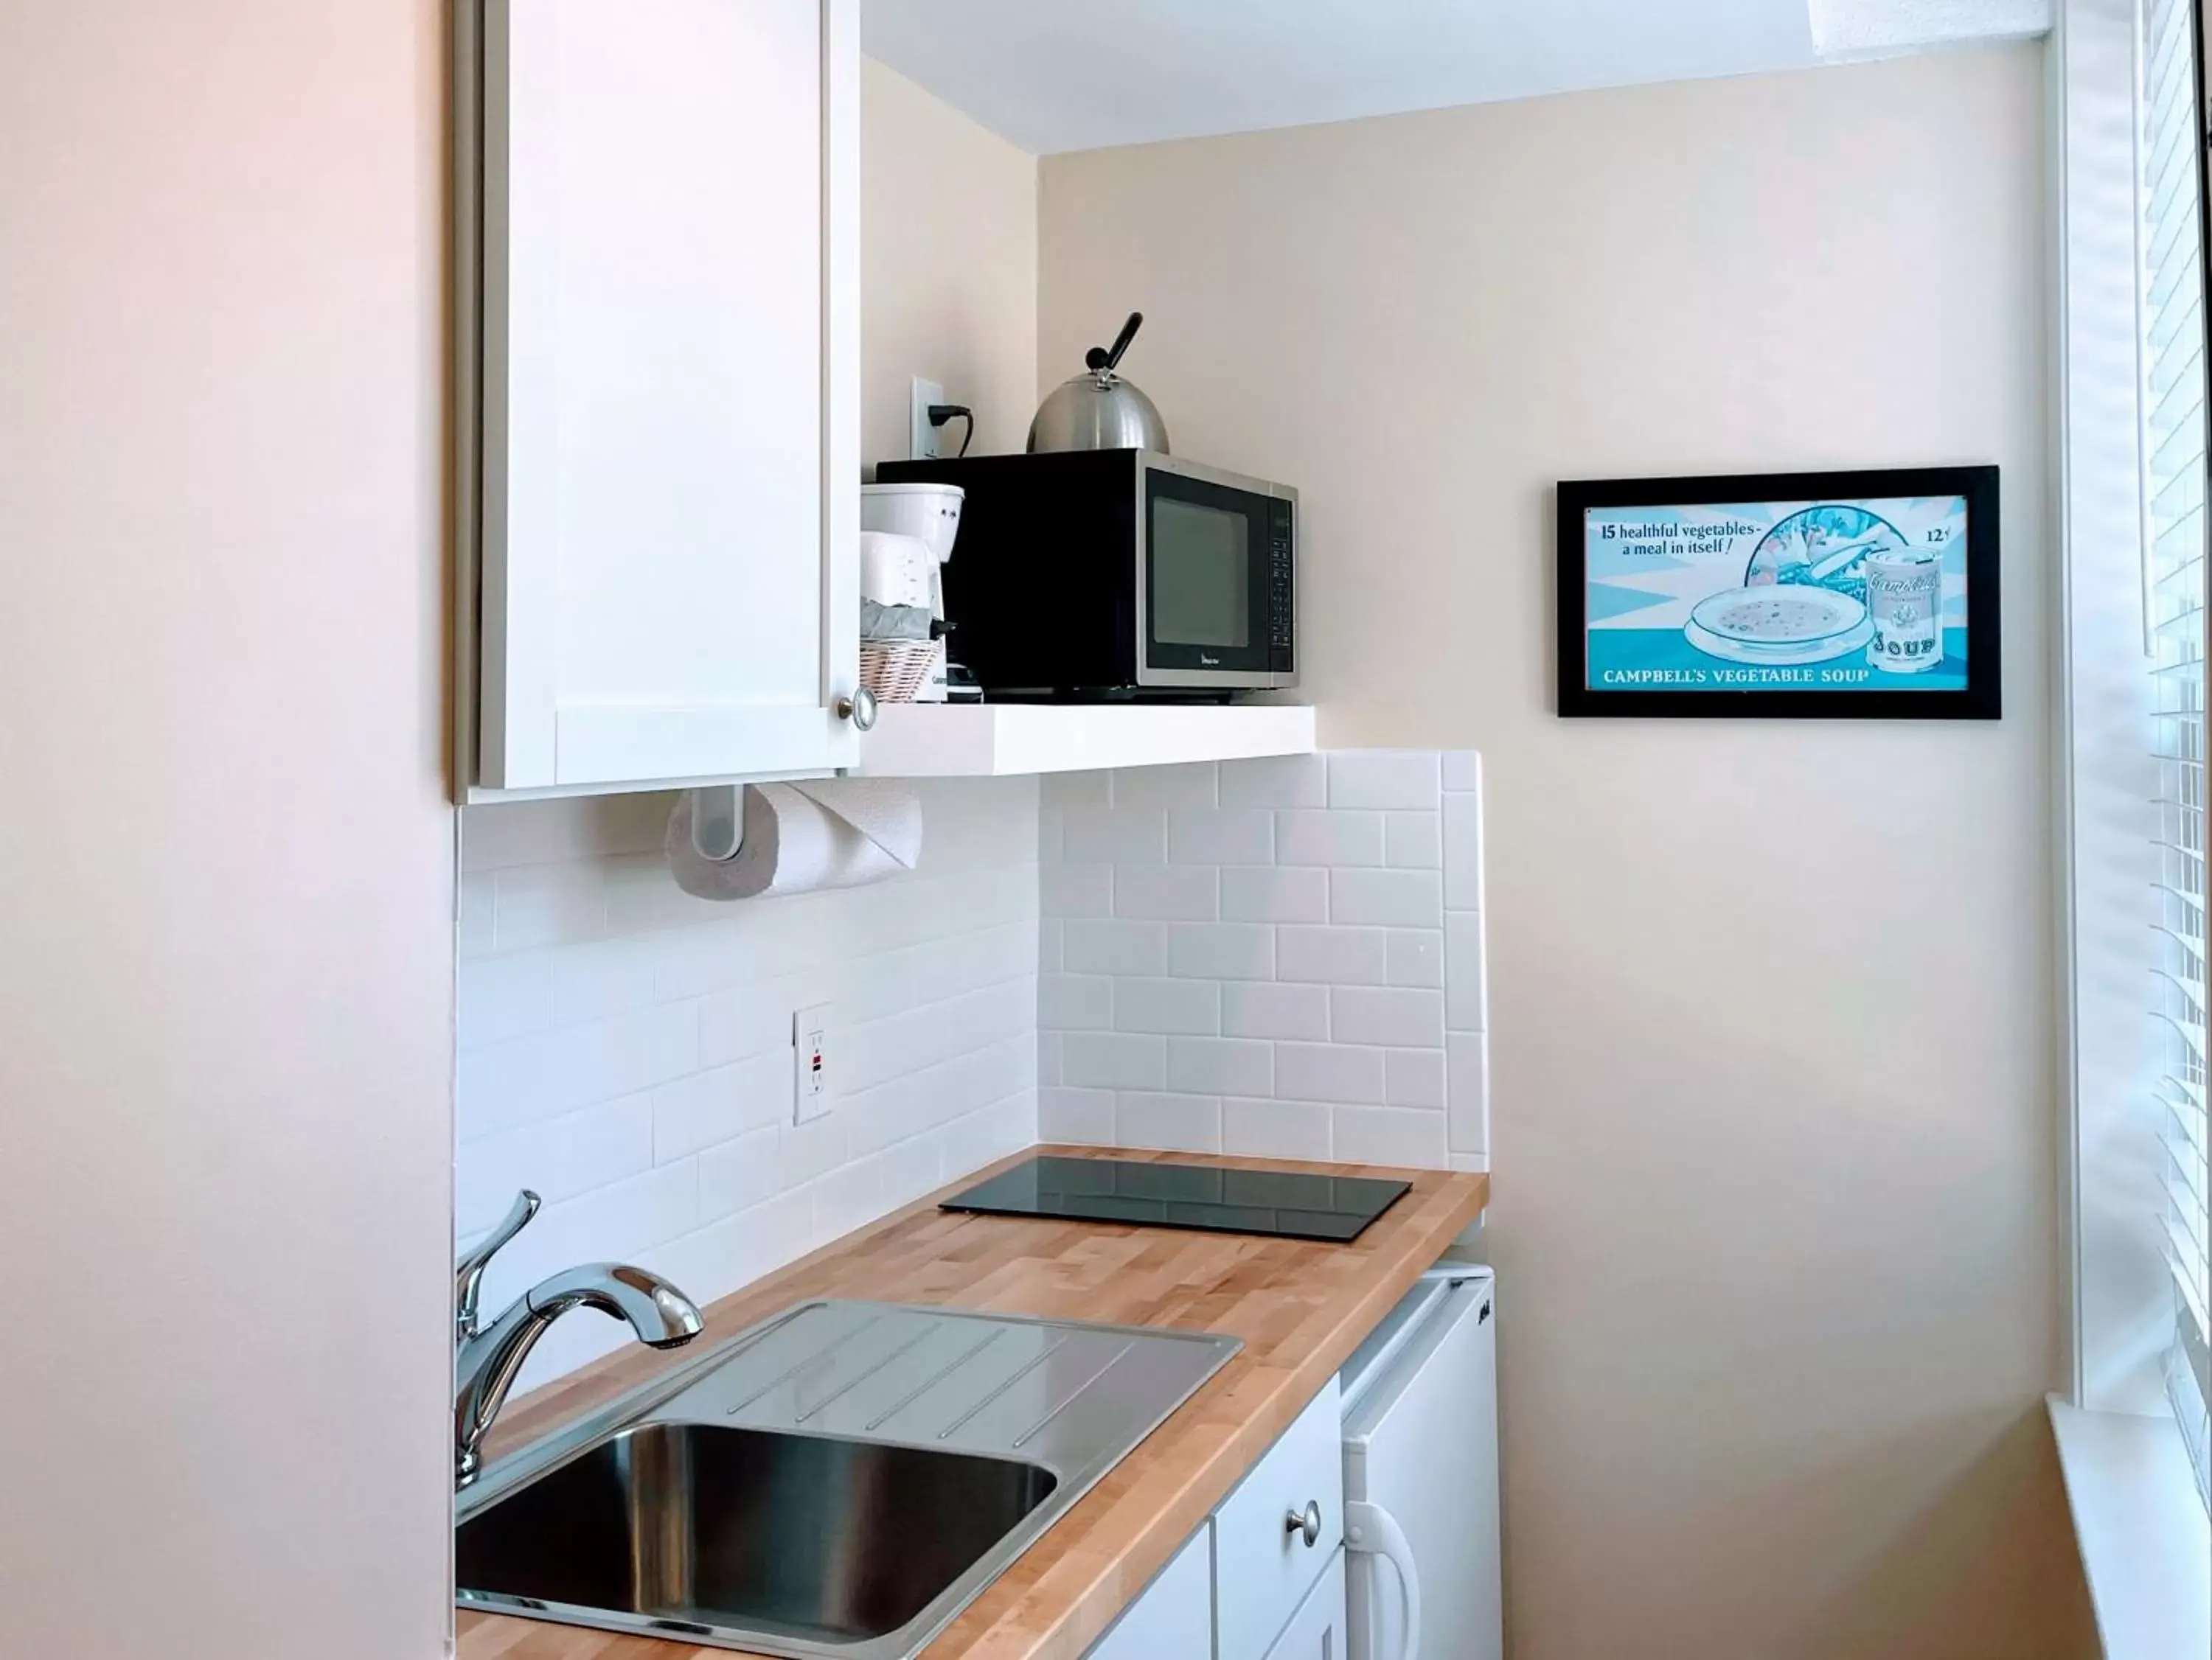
{"type": "Point", "coordinates": [1306, 1523]}
{"type": "Point", "coordinates": [860, 708]}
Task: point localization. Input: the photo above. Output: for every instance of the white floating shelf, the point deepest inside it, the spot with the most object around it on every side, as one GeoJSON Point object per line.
{"type": "Point", "coordinates": [986, 740]}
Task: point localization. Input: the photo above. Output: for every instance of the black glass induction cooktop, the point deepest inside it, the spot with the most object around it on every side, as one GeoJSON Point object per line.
{"type": "Point", "coordinates": [1286, 1205]}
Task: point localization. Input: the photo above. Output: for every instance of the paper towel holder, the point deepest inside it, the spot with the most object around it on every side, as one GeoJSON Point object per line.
{"type": "Point", "coordinates": [717, 821]}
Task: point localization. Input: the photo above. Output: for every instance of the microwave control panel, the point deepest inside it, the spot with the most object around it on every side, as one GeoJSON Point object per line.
{"type": "Point", "coordinates": [1281, 656]}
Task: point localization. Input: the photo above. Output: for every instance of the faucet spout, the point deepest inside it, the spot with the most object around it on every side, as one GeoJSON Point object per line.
{"type": "Point", "coordinates": [489, 1361]}
{"type": "Point", "coordinates": [660, 1315]}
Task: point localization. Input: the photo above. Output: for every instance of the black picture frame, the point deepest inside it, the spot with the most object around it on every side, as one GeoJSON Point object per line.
{"type": "Point", "coordinates": [1981, 699]}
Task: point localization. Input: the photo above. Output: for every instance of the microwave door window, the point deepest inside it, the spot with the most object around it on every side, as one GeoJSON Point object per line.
{"type": "Point", "coordinates": [1201, 573]}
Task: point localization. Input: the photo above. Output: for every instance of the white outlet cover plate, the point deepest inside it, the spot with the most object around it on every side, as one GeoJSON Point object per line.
{"type": "Point", "coordinates": [924, 441]}
{"type": "Point", "coordinates": [810, 1071]}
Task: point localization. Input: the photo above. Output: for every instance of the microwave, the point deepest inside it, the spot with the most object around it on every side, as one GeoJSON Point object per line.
{"type": "Point", "coordinates": [1098, 574]}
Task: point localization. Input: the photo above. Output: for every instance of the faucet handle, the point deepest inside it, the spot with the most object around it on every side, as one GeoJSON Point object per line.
{"type": "Point", "coordinates": [468, 1272]}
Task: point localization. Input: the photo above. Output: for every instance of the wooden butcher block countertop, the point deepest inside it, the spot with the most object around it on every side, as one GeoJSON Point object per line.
{"type": "Point", "coordinates": [1300, 1308]}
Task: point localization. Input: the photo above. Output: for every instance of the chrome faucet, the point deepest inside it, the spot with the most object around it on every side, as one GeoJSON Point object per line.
{"type": "Point", "coordinates": [486, 1361]}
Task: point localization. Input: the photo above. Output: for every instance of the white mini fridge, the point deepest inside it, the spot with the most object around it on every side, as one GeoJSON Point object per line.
{"type": "Point", "coordinates": [1420, 1477]}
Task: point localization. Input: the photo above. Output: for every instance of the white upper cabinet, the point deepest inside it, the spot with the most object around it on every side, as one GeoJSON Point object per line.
{"type": "Point", "coordinates": [660, 347]}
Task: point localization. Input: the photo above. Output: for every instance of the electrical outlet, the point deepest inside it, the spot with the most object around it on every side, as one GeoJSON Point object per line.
{"type": "Point", "coordinates": [924, 441]}
{"type": "Point", "coordinates": [810, 1036]}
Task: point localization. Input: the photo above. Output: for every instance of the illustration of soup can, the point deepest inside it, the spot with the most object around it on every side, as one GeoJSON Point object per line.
{"type": "Point", "coordinates": [1905, 596]}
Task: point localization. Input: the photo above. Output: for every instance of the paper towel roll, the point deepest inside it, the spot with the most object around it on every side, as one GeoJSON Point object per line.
{"type": "Point", "coordinates": [828, 833]}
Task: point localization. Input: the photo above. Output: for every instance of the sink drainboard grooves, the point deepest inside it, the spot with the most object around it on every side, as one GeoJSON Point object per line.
{"type": "Point", "coordinates": [933, 1381]}
{"type": "Point", "coordinates": [808, 1359]}
{"type": "Point", "coordinates": [858, 1378]}
{"type": "Point", "coordinates": [1046, 1353]}
{"type": "Point", "coordinates": [1069, 1399]}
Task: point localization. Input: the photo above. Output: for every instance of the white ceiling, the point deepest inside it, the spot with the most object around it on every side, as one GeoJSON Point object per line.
{"type": "Point", "coordinates": [1072, 75]}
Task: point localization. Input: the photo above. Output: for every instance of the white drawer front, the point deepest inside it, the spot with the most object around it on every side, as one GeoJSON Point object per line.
{"type": "Point", "coordinates": [1316, 1630]}
{"type": "Point", "coordinates": [1262, 1570]}
{"type": "Point", "coordinates": [1173, 1618]}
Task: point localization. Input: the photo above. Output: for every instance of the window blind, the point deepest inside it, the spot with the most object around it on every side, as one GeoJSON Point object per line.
{"type": "Point", "coordinates": [2172, 153]}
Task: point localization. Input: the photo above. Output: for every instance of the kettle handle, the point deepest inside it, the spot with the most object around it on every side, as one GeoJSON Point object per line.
{"type": "Point", "coordinates": [1101, 359]}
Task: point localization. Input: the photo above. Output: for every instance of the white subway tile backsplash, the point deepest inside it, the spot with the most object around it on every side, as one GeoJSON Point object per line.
{"type": "Point", "coordinates": [1221, 836]}
{"type": "Point", "coordinates": [477, 900]}
{"type": "Point", "coordinates": [1075, 1003]}
{"type": "Point", "coordinates": [605, 977]}
{"type": "Point", "coordinates": [720, 1104]}
{"type": "Point", "coordinates": [1467, 1063]}
{"type": "Point", "coordinates": [1258, 1010]}
{"type": "Point", "coordinates": [1221, 1066]}
{"type": "Point", "coordinates": [1389, 899]}
{"type": "Point", "coordinates": [1052, 835]}
{"type": "Point", "coordinates": [803, 1151]}
{"type": "Point", "coordinates": [529, 1080]}
{"type": "Point", "coordinates": [503, 998]}
{"type": "Point", "coordinates": [1083, 1116]}
{"type": "Point", "coordinates": [1275, 781]}
{"type": "Point", "coordinates": [1327, 1072]}
{"type": "Point", "coordinates": [1413, 841]}
{"type": "Point", "coordinates": [1221, 951]}
{"type": "Point", "coordinates": [1413, 1077]}
{"type": "Point", "coordinates": [1115, 947]}
{"type": "Point", "coordinates": [1465, 1010]}
{"type": "Point", "coordinates": [1076, 890]}
{"type": "Point", "coordinates": [547, 905]}
{"type": "Point", "coordinates": [1304, 836]}
{"type": "Point", "coordinates": [1463, 829]}
{"type": "Point", "coordinates": [1335, 956]}
{"type": "Point", "coordinates": [1077, 789]}
{"type": "Point", "coordinates": [1275, 1129]}
{"type": "Point", "coordinates": [1191, 1008]}
{"type": "Point", "coordinates": [1167, 893]}
{"type": "Point", "coordinates": [1113, 1060]}
{"type": "Point", "coordinates": [558, 1161]}
{"type": "Point", "coordinates": [1135, 835]}
{"type": "Point", "coordinates": [1416, 958]}
{"type": "Point", "coordinates": [1308, 978]}
{"type": "Point", "coordinates": [1393, 1017]}
{"type": "Point", "coordinates": [1191, 785]}
{"type": "Point", "coordinates": [1390, 1136]}
{"type": "Point", "coordinates": [1384, 778]}
{"type": "Point", "coordinates": [1273, 893]}
{"type": "Point", "coordinates": [736, 1175]}
{"type": "Point", "coordinates": [629, 1049]}
{"type": "Point", "coordinates": [746, 1021]}
{"type": "Point", "coordinates": [1182, 1123]}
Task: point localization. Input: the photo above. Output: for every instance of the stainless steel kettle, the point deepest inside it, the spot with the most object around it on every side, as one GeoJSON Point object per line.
{"type": "Point", "coordinates": [1098, 409]}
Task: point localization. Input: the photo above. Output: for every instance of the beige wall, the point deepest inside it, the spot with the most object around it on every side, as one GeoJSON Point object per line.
{"type": "Point", "coordinates": [226, 866]}
{"type": "Point", "coordinates": [1773, 1115]}
{"type": "Point", "coordinates": [948, 268]}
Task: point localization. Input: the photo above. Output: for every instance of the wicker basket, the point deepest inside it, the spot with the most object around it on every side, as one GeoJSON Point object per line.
{"type": "Point", "coordinates": [895, 670]}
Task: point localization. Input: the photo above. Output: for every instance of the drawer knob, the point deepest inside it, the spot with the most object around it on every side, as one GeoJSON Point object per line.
{"type": "Point", "coordinates": [860, 708]}
{"type": "Point", "coordinates": [1305, 1523]}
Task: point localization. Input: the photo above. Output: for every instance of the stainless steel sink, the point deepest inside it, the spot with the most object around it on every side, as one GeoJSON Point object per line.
{"type": "Point", "coordinates": [840, 1480]}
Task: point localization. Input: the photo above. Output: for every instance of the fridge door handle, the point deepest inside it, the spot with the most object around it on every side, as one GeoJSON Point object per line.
{"type": "Point", "coordinates": [1371, 1530]}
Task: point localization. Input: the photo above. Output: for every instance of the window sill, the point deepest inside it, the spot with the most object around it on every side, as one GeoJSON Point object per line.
{"type": "Point", "coordinates": [2146, 1544]}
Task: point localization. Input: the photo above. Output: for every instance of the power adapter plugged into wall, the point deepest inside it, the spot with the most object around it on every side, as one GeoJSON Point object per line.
{"type": "Point", "coordinates": [927, 415]}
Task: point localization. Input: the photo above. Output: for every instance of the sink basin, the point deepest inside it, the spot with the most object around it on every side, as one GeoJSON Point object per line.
{"type": "Point", "coordinates": [703, 1525]}
{"type": "Point", "coordinates": [838, 1481]}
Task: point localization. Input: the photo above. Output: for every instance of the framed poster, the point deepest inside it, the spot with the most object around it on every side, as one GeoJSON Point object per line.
{"type": "Point", "coordinates": [1832, 596]}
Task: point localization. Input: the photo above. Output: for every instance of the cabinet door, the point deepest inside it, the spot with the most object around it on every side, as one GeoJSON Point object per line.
{"type": "Point", "coordinates": [1173, 1618]}
{"type": "Point", "coordinates": [1262, 1566]}
{"type": "Point", "coordinates": [668, 510]}
{"type": "Point", "coordinates": [1317, 1630]}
